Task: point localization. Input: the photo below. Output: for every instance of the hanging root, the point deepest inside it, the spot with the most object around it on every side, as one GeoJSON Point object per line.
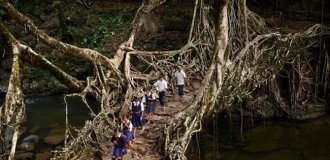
{"type": "Point", "coordinates": [251, 63]}
{"type": "Point", "coordinates": [234, 57]}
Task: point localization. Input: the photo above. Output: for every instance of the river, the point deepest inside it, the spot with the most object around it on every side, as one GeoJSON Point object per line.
{"type": "Point", "coordinates": [46, 118]}
{"type": "Point", "coordinates": [273, 140]}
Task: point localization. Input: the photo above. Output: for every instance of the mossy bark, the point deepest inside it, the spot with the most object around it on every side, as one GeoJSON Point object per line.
{"type": "Point", "coordinates": [13, 110]}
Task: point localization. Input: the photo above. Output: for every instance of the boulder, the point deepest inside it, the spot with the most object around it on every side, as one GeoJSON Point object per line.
{"type": "Point", "coordinates": [26, 146]}
{"type": "Point", "coordinates": [54, 139]}
{"type": "Point", "coordinates": [29, 143]}
{"type": "Point", "coordinates": [24, 156]}
{"type": "Point", "coordinates": [22, 130]}
{"type": "Point", "coordinates": [31, 138]}
{"type": "Point", "coordinates": [35, 86]}
{"type": "Point", "coordinates": [44, 155]}
{"type": "Point", "coordinates": [51, 23]}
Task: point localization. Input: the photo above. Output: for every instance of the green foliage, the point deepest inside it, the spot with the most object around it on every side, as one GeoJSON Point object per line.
{"type": "Point", "coordinates": [208, 7]}
{"type": "Point", "coordinates": [56, 87]}
{"type": "Point", "coordinates": [35, 74]}
{"type": "Point", "coordinates": [2, 13]}
{"type": "Point", "coordinates": [99, 29]}
{"type": "Point", "coordinates": [48, 84]}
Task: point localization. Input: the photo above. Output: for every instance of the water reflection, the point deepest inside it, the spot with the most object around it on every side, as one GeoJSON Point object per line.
{"type": "Point", "coordinates": [46, 118]}
{"type": "Point", "coordinates": [307, 140]}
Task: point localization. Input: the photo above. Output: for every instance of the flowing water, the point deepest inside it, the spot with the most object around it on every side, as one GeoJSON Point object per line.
{"type": "Point", "coordinates": [276, 140]}
{"type": "Point", "coordinates": [46, 118]}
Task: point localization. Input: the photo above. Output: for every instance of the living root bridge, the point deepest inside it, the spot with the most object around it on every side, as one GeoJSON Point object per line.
{"type": "Point", "coordinates": [249, 66]}
{"type": "Point", "coordinates": [234, 57]}
{"type": "Point", "coordinates": [240, 80]}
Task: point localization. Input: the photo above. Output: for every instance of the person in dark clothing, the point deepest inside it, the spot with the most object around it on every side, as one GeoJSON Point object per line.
{"type": "Point", "coordinates": [150, 101]}
{"type": "Point", "coordinates": [127, 127]}
{"type": "Point", "coordinates": [119, 140]}
{"type": "Point", "coordinates": [137, 110]}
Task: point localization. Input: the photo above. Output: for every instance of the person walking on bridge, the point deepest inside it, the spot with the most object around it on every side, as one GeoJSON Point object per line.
{"type": "Point", "coordinates": [150, 100]}
{"type": "Point", "coordinates": [180, 75]}
{"type": "Point", "coordinates": [161, 86]}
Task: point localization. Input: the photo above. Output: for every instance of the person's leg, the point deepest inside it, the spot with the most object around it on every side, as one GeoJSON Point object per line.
{"type": "Point", "coordinates": [135, 124]}
{"type": "Point", "coordinates": [148, 118]}
{"type": "Point", "coordinates": [164, 98]}
{"type": "Point", "coordinates": [153, 109]}
{"type": "Point", "coordinates": [141, 122]}
{"type": "Point", "coordinates": [134, 130]}
{"type": "Point", "coordinates": [114, 154]}
{"type": "Point", "coordinates": [117, 153]}
{"type": "Point", "coordinates": [152, 117]}
{"type": "Point", "coordinates": [161, 98]}
{"type": "Point", "coordinates": [147, 112]}
{"type": "Point", "coordinates": [180, 90]}
{"type": "Point", "coordinates": [129, 145]}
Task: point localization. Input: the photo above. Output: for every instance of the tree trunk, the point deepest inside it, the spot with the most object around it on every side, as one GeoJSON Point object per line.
{"type": "Point", "coordinates": [178, 134]}
{"type": "Point", "coordinates": [13, 111]}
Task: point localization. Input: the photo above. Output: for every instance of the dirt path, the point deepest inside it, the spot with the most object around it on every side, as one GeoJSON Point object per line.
{"type": "Point", "coordinates": [142, 148]}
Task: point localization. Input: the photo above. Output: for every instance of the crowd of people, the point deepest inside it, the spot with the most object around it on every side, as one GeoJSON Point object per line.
{"type": "Point", "coordinates": [136, 118]}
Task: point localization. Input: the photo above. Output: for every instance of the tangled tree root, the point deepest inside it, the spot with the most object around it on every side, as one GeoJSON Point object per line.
{"type": "Point", "coordinates": [234, 57]}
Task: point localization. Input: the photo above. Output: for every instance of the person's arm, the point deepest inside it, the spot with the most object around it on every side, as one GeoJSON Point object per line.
{"type": "Point", "coordinates": [165, 86]}
{"type": "Point", "coordinates": [123, 142]}
{"type": "Point", "coordinates": [130, 126]}
{"type": "Point", "coordinates": [113, 139]}
{"type": "Point", "coordinates": [156, 85]}
{"type": "Point", "coordinates": [175, 78]}
{"type": "Point", "coordinates": [125, 124]}
{"type": "Point", "coordinates": [153, 97]}
{"type": "Point", "coordinates": [142, 110]}
{"type": "Point", "coordinates": [130, 107]}
{"type": "Point", "coordinates": [144, 99]}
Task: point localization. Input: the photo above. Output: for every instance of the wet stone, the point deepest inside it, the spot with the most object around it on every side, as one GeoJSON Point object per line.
{"type": "Point", "coordinates": [24, 156]}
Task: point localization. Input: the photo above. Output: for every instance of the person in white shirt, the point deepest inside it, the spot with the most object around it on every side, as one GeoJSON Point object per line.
{"type": "Point", "coordinates": [150, 101]}
{"type": "Point", "coordinates": [161, 86]}
{"type": "Point", "coordinates": [127, 128]}
{"type": "Point", "coordinates": [137, 110]}
{"type": "Point", "coordinates": [180, 75]}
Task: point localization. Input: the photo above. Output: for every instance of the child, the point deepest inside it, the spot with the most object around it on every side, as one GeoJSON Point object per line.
{"type": "Point", "coordinates": [137, 109]}
{"type": "Point", "coordinates": [150, 100]}
{"type": "Point", "coordinates": [180, 75]}
{"type": "Point", "coordinates": [127, 127]}
{"type": "Point", "coordinates": [161, 86]}
{"type": "Point", "coordinates": [119, 140]}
